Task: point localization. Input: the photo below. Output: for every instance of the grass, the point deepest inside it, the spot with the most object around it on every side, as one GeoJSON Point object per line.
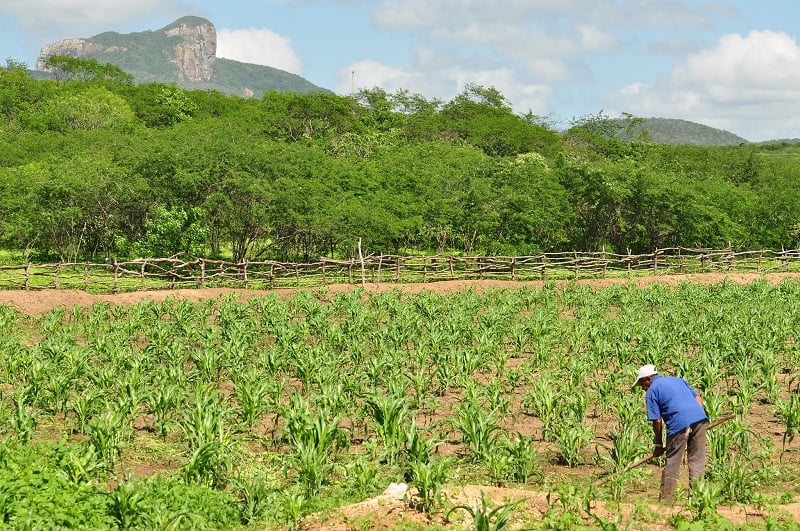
{"type": "Point", "coordinates": [99, 278]}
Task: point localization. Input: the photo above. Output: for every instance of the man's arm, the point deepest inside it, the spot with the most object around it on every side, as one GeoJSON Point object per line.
{"type": "Point", "coordinates": [658, 445]}
{"type": "Point", "coordinates": [700, 401]}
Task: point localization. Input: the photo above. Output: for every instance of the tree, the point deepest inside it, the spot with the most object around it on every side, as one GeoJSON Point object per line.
{"type": "Point", "coordinates": [172, 231]}
{"type": "Point", "coordinates": [88, 109]}
{"type": "Point", "coordinates": [533, 210]}
{"type": "Point", "coordinates": [68, 68]}
{"type": "Point", "coordinates": [312, 116]}
{"type": "Point", "coordinates": [483, 117]}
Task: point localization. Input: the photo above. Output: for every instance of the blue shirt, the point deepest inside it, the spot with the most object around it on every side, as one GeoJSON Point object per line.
{"type": "Point", "coordinates": [673, 400]}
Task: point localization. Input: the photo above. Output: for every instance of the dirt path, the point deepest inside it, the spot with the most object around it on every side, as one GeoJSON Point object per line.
{"type": "Point", "coordinates": [37, 302]}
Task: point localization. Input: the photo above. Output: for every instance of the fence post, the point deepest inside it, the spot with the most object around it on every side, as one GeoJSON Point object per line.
{"type": "Point", "coordinates": [424, 269]}
{"type": "Point", "coordinates": [452, 271]}
{"type": "Point", "coordinates": [605, 262]}
{"type": "Point", "coordinates": [629, 260]}
{"type": "Point", "coordinates": [513, 264]}
{"type": "Point", "coordinates": [116, 278]}
{"type": "Point", "coordinates": [544, 267]}
{"type": "Point", "coordinates": [27, 275]}
{"type": "Point", "coordinates": [142, 272]}
{"type": "Point", "coordinates": [86, 277]}
{"type": "Point", "coordinates": [55, 279]}
{"type": "Point", "coordinates": [244, 272]}
{"type": "Point", "coordinates": [202, 273]}
{"type": "Point", "coordinates": [655, 262]}
{"type": "Point", "coordinates": [361, 259]}
{"type": "Point", "coordinates": [575, 263]}
{"type": "Point", "coordinates": [271, 276]}
{"type": "Point", "coordinates": [380, 266]}
{"type": "Point", "coordinates": [397, 269]}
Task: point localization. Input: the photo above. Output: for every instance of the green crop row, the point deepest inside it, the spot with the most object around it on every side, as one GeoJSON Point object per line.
{"type": "Point", "coordinates": [234, 412]}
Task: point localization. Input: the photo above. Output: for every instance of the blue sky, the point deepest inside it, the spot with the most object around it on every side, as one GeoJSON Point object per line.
{"type": "Point", "coordinates": [732, 64]}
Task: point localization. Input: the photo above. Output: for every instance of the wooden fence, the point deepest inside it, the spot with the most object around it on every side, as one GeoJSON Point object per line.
{"type": "Point", "coordinates": [181, 272]}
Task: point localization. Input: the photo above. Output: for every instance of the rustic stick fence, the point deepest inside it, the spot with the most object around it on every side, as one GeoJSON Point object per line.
{"type": "Point", "coordinates": [181, 272]}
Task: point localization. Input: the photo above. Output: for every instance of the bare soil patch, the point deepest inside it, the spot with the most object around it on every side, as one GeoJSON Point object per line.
{"type": "Point", "coordinates": [34, 302]}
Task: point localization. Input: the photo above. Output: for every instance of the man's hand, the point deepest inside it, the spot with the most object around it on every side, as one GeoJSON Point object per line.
{"type": "Point", "coordinates": [658, 450]}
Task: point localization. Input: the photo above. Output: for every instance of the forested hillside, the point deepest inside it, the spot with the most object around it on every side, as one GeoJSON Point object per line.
{"type": "Point", "coordinates": [94, 166]}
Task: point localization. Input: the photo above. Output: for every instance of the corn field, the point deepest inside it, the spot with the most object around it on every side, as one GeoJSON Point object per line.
{"type": "Point", "coordinates": [258, 412]}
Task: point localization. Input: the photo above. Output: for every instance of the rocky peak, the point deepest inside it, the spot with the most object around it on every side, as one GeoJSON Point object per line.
{"type": "Point", "coordinates": [69, 47]}
{"type": "Point", "coordinates": [197, 51]}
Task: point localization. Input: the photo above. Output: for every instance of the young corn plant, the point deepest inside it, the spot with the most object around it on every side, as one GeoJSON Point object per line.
{"type": "Point", "coordinates": [207, 420]}
{"type": "Point", "coordinates": [57, 391]}
{"type": "Point", "coordinates": [788, 411]}
{"type": "Point", "coordinates": [313, 441]}
{"type": "Point", "coordinates": [252, 397]}
{"type": "Point", "coordinates": [428, 477]}
{"type": "Point", "coordinates": [255, 498]}
{"type": "Point", "coordinates": [485, 518]}
{"type": "Point", "coordinates": [704, 498]}
{"type": "Point", "coordinates": [163, 401]}
{"type": "Point", "coordinates": [108, 434]}
{"type": "Point", "coordinates": [479, 430]}
{"type": "Point", "coordinates": [389, 415]}
{"type": "Point", "coordinates": [541, 402]}
{"type": "Point", "coordinates": [572, 437]}
{"type": "Point", "coordinates": [209, 464]}
{"type": "Point", "coordinates": [362, 472]}
{"type": "Point", "coordinates": [22, 420]}
{"type": "Point", "coordinates": [81, 464]}
{"type": "Point", "coordinates": [514, 461]}
{"type": "Point", "coordinates": [627, 445]}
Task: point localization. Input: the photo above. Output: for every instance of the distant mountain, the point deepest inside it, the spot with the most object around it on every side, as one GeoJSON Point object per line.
{"type": "Point", "coordinates": [184, 53]}
{"type": "Point", "coordinates": [683, 132]}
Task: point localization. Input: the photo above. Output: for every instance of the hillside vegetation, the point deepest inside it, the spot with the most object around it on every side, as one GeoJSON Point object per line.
{"type": "Point", "coordinates": [674, 131]}
{"type": "Point", "coordinates": [151, 56]}
{"type": "Point", "coordinates": [95, 166]}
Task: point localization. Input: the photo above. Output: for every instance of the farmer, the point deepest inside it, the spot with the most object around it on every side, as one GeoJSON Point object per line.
{"type": "Point", "coordinates": [673, 402]}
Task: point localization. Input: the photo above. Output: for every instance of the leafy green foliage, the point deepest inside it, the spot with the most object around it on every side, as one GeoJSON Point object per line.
{"type": "Point", "coordinates": [261, 411]}
{"type": "Point", "coordinates": [97, 167]}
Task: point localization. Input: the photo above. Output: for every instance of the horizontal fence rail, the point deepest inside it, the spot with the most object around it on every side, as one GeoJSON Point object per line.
{"type": "Point", "coordinates": [178, 272]}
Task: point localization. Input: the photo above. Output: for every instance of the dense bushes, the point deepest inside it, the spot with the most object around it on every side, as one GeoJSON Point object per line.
{"type": "Point", "coordinates": [95, 167]}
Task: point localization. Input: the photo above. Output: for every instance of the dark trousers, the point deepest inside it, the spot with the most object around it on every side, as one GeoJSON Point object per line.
{"type": "Point", "coordinates": [692, 441]}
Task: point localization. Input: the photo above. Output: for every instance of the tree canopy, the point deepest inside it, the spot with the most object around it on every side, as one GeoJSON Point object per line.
{"type": "Point", "coordinates": [93, 166]}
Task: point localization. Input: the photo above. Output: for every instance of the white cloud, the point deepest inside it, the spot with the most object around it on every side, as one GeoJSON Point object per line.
{"type": "Point", "coordinates": [445, 84]}
{"type": "Point", "coordinates": [259, 46]}
{"type": "Point", "coordinates": [78, 15]}
{"type": "Point", "coordinates": [749, 85]}
{"type": "Point", "coordinates": [368, 74]}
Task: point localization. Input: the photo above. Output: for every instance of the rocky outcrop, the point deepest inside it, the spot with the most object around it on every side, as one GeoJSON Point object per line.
{"type": "Point", "coordinates": [71, 48]}
{"type": "Point", "coordinates": [183, 52]}
{"type": "Point", "coordinates": [197, 51]}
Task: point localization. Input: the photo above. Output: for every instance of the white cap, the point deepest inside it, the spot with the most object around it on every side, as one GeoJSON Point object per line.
{"type": "Point", "coordinates": [644, 372]}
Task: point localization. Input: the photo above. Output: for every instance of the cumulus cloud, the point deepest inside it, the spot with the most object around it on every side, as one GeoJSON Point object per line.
{"type": "Point", "coordinates": [748, 84]}
{"type": "Point", "coordinates": [259, 46]}
{"type": "Point", "coordinates": [542, 14]}
{"type": "Point", "coordinates": [78, 15]}
{"type": "Point", "coordinates": [547, 43]}
{"type": "Point", "coordinates": [445, 84]}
